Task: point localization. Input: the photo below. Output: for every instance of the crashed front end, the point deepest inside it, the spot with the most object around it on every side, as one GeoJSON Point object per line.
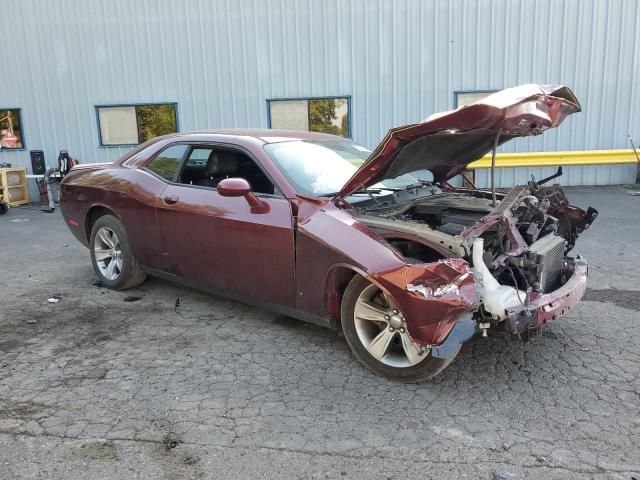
{"type": "Point", "coordinates": [506, 265]}
{"type": "Point", "coordinates": [475, 260]}
{"type": "Point", "coordinates": [509, 271]}
{"type": "Point", "coordinates": [520, 256]}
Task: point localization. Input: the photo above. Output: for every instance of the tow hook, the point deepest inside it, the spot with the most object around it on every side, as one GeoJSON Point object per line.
{"type": "Point", "coordinates": [484, 327]}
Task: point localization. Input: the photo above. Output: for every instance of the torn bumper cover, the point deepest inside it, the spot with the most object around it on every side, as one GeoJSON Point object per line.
{"type": "Point", "coordinates": [541, 310]}
{"type": "Point", "coordinates": [549, 306]}
{"type": "Point", "coordinates": [433, 297]}
{"type": "Point", "coordinates": [463, 330]}
{"type": "Point", "coordinates": [438, 301]}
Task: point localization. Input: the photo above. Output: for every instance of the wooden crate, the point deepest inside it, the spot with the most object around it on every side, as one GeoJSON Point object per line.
{"type": "Point", "coordinates": [15, 192]}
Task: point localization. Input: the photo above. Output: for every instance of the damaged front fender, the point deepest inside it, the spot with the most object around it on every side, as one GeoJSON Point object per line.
{"type": "Point", "coordinates": [432, 297]}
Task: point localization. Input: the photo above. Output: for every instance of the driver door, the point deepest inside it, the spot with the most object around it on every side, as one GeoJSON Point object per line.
{"type": "Point", "coordinates": [220, 243]}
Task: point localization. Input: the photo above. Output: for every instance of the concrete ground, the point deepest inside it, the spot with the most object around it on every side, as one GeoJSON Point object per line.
{"type": "Point", "coordinates": [96, 386]}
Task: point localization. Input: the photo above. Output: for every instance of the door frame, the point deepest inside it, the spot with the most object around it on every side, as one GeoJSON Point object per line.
{"type": "Point", "coordinates": [278, 195]}
{"type": "Point", "coordinates": [195, 143]}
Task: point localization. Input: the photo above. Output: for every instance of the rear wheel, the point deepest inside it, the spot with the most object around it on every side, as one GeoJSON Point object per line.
{"type": "Point", "coordinates": [377, 333]}
{"type": "Point", "coordinates": [112, 255]}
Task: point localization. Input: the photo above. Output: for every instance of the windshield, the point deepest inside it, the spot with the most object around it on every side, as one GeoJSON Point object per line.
{"type": "Point", "coordinates": [322, 167]}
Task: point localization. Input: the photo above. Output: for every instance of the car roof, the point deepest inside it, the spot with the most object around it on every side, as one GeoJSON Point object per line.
{"type": "Point", "coordinates": [243, 137]}
{"type": "Point", "coordinates": [267, 135]}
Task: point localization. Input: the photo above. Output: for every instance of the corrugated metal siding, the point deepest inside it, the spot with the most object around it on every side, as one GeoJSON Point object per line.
{"type": "Point", "coordinates": [399, 60]}
{"type": "Point", "coordinates": [583, 175]}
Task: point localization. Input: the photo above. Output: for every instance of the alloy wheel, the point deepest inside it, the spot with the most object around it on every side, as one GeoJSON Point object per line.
{"type": "Point", "coordinates": [382, 330]}
{"type": "Point", "coordinates": [108, 253]}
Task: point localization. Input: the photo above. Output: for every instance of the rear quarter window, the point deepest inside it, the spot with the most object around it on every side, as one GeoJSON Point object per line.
{"type": "Point", "coordinates": [167, 163]}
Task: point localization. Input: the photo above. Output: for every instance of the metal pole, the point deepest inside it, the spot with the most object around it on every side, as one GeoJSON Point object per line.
{"type": "Point", "coordinates": [493, 167]}
{"type": "Point", "coordinates": [637, 158]}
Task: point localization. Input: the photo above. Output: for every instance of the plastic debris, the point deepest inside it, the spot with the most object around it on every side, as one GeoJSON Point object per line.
{"type": "Point", "coordinates": [55, 298]}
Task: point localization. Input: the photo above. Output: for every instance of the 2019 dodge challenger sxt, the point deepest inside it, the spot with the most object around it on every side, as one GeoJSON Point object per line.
{"type": "Point", "coordinates": [379, 245]}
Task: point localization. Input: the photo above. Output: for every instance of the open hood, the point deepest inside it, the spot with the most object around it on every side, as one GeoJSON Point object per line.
{"type": "Point", "coordinates": [445, 143]}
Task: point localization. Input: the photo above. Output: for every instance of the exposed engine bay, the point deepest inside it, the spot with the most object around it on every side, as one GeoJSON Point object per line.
{"type": "Point", "coordinates": [525, 238]}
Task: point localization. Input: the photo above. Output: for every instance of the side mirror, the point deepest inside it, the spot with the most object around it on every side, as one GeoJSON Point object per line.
{"type": "Point", "coordinates": [238, 187]}
{"type": "Point", "coordinates": [234, 187]}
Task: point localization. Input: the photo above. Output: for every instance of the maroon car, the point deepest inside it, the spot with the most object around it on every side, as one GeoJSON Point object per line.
{"type": "Point", "coordinates": [378, 245]}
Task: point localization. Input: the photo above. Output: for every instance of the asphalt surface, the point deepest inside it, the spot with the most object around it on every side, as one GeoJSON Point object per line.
{"type": "Point", "coordinates": [96, 386]}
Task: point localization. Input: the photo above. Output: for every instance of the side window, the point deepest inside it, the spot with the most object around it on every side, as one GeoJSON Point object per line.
{"type": "Point", "coordinates": [207, 166]}
{"type": "Point", "coordinates": [199, 157]}
{"type": "Point", "coordinates": [167, 162]}
{"type": "Point", "coordinates": [251, 172]}
{"type": "Point", "coordinates": [195, 170]}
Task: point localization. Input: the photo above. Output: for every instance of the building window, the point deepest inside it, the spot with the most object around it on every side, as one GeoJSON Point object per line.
{"type": "Point", "coordinates": [11, 137]}
{"type": "Point", "coordinates": [466, 98]}
{"type": "Point", "coordinates": [135, 124]}
{"type": "Point", "coordinates": [326, 115]}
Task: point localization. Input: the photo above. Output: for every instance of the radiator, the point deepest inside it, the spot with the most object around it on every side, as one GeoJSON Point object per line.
{"type": "Point", "coordinates": [548, 253]}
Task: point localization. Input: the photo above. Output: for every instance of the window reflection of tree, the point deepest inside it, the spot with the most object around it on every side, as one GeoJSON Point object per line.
{"type": "Point", "coordinates": [155, 120]}
{"type": "Point", "coordinates": [324, 116]}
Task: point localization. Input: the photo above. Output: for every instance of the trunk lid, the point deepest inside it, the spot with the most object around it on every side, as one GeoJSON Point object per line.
{"type": "Point", "coordinates": [445, 143]}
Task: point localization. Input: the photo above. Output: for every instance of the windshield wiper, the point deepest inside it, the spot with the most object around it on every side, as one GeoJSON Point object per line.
{"type": "Point", "coordinates": [365, 191]}
{"type": "Point", "coordinates": [418, 184]}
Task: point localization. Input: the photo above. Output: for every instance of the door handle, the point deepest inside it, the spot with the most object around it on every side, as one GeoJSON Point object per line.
{"type": "Point", "coordinates": [171, 199]}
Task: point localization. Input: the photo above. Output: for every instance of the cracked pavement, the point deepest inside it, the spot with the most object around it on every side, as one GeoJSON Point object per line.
{"type": "Point", "coordinates": [96, 387]}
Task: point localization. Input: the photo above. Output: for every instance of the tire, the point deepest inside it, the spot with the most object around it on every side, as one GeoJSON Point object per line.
{"type": "Point", "coordinates": [3, 208]}
{"type": "Point", "coordinates": [112, 255]}
{"type": "Point", "coordinates": [362, 294]}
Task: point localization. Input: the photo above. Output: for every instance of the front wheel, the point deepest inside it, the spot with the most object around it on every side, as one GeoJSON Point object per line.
{"type": "Point", "coordinates": [377, 334]}
{"type": "Point", "coordinates": [112, 255]}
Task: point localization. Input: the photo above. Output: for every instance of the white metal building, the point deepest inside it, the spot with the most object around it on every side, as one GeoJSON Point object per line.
{"type": "Point", "coordinates": [224, 63]}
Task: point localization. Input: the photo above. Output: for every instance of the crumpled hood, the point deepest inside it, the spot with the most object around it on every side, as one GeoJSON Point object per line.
{"type": "Point", "coordinates": [445, 143]}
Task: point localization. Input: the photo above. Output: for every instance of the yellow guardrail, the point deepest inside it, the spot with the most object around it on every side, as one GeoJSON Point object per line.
{"type": "Point", "coordinates": [553, 159]}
